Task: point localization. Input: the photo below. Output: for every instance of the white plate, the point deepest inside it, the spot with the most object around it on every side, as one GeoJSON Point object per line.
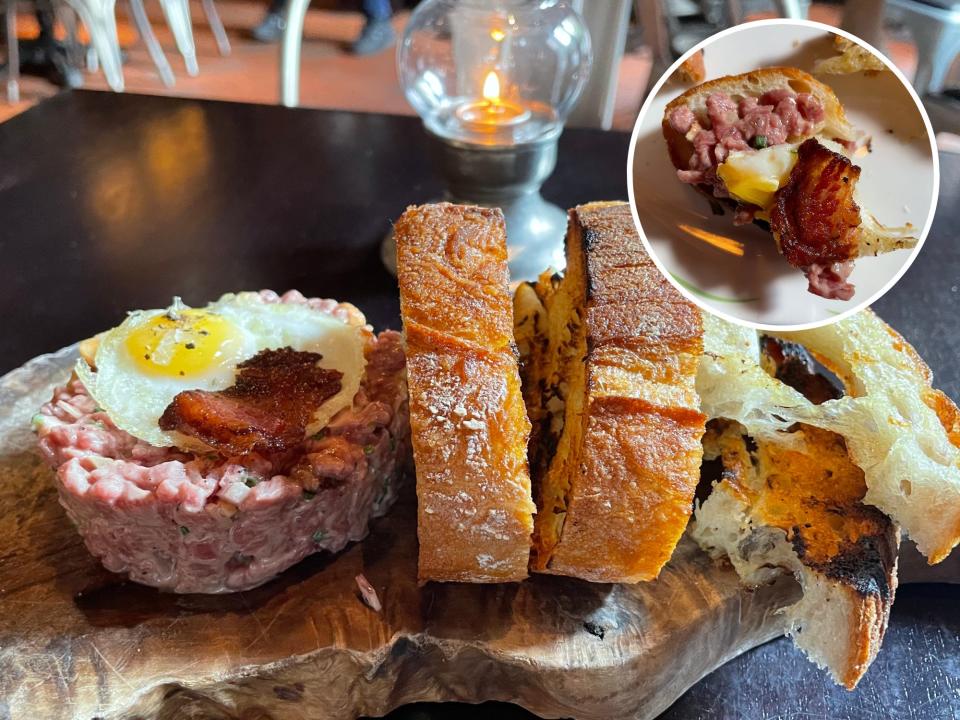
{"type": "Point", "coordinates": [736, 272]}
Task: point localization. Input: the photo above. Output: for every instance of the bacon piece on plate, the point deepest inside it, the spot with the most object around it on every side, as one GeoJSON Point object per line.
{"type": "Point", "coordinates": [267, 409]}
{"type": "Point", "coordinates": [815, 218]}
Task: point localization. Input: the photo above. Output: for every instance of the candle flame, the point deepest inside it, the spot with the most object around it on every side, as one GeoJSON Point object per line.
{"type": "Point", "coordinates": [497, 34]}
{"type": "Point", "coordinates": [491, 87]}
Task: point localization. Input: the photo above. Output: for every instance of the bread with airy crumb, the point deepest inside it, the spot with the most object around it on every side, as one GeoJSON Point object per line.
{"type": "Point", "coordinates": [611, 352]}
{"type": "Point", "coordinates": [912, 454]}
{"type": "Point", "coordinates": [899, 430]}
{"type": "Point", "coordinates": [793, 504]}
{"type": "Point", "coordinates": [468, 422]}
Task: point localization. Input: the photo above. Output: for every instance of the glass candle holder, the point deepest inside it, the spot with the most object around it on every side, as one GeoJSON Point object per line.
{"type": "Point", "coordinates": [493, 82]}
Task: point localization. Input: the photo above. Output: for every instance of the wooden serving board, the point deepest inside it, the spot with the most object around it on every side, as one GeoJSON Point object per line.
{"type": "Point", "coordinates": [79, 642]}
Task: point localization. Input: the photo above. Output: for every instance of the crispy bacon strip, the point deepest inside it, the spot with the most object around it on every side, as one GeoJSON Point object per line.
{"type": "Point", "coordinates": [814, 219]}
{"type": "Point", "coordinates": [267, 409]}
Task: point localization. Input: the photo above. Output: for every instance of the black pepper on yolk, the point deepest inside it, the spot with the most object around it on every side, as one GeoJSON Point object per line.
{"type": "Point", "coordinates": [185, 343]}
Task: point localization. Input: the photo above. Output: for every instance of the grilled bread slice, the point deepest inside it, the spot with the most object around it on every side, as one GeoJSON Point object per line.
{"type": "Point", "coordinates": [794, 503]}
{"type": "Point", "coordinates": [611, 352]}
{"type": "Point", "coordinates": [469, 426]}
{"type": "Point", "coordinates": [903, 434]}
{"type": "Point", "coordinates": [801, 184]}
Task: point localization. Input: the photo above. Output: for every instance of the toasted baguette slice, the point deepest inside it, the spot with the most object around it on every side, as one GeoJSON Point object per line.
{"type": "Point", "coordinates": [901, 432]}
{"type": "Point", "coordinates": [612, 351]}
{"type": "Point", "coordinates": [754, 84]}
{"type": "Point", "coordinates": [794, 504]}
{"type": "Point", "coordinates": [469, 426]}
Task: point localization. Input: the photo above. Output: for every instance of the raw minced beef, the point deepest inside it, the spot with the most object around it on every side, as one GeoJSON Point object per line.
{"type": "Point", "coordinates": [743, 126]}
{"type": "Point", "coordinates": [204, 523]}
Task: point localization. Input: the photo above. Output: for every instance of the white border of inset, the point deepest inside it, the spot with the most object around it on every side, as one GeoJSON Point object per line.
{"type": "Point", "coordinates": [926, 226]}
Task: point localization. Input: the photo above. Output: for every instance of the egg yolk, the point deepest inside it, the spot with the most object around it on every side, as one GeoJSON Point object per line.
{"type": "Point", "coordinates": [754, 189]}
{"type": "Point", "coordinates": [182, 343]}
{"type": "Point", "coordinates": [755, 177]}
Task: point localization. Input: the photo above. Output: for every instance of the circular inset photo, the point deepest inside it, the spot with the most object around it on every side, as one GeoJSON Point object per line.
{"type": "Point", "coordinates": [783, 174]}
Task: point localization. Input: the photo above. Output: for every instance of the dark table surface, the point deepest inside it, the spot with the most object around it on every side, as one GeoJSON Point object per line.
{"type": "Point", "coordinates": [114, 202]}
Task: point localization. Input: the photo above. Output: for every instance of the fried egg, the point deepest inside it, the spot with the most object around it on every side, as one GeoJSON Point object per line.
{"type": "Point", "coordinates": [141, 365]}
{"type": "Point", "coordinates": [754, 176]}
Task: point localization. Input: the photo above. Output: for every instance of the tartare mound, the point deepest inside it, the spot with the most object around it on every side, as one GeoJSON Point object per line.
{"type": "Point", "coordinates": [204, 523]}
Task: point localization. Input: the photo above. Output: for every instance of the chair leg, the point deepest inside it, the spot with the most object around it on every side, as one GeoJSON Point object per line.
{"type": "Point", "coordinates": [145, 30]}
{"type": "Point", "coordinates": [177, 13]}
{"type": "Point", "coordinates": [107, 45]}
{"type": "Point", "coordinates": [101, 22]}
{"type": "Point", "coordinates": [216, 26]}
{"type": "Point", "coordinates": [290, 52]}
{"type": "Point", "coordinates": [13, 53]}
{"type": "Point", "coordinates": [68, 18]}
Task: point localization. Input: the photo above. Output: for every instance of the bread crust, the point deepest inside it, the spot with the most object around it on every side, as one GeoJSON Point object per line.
{"type": "Point", "coordinates": [845, 551]}
{"type": "Point", "coordinates": [880, 362]}
{"type": "Point", "coordinates": [753, 83]}
{"type": "Point", "coordinates": [468, 422]}
{"type": "Point", "coordinates": [850, 58]}
{"type": "Point", "coordinates": [692, 70]}
{"type": "Point", "coordinates": [868, 624]}
{"type": "Point", "coordinates": [637, 456]}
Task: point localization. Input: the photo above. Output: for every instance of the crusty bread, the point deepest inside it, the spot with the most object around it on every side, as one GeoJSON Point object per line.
{"type": "Point", "coordinates": [912, 455]}
{"type": "Point", "coordinates": [852, 57]}
{"type": "Point", "coordinates": [692, 70]}
{"type": "Point", "coordinates": [901, 432]}
{"type": "Point", "coordinates": [468, 422]}
{"type": "Point", "coordinates": [792, 503]}
{"type": "Point", "coordinates": [612, 351]}
{"type": "Point", "coordinates": [754, 84]}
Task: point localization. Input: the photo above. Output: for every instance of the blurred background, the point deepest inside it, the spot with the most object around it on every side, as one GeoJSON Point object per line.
{"type": "Point", "coordinates": [231, 49]}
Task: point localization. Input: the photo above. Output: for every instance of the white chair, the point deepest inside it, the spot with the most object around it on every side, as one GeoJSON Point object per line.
{"type": "Point", "coordinates": [145, 30]}
{"type": "Point", "coordinates": [177, 13]}
{"type": "Point", "coordinates": [290, 52]}
{"type": "Point", "coordinates": [97, 15]}
{"type": "Point", "coordinates": [935, 27]}
{"type": "Point", "coordinates": [100, 18]}
{"type": "Point", "coordinates": [216, 27]}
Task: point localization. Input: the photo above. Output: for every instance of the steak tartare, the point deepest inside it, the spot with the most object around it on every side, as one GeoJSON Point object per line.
{"type": "Point", "coordinates": [745, 126]}
{"type": "Point", "coordinates": [192, 522]}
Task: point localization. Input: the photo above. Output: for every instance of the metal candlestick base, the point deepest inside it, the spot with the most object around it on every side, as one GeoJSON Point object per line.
{"type": "Point", "coordinates": [507, 177]}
